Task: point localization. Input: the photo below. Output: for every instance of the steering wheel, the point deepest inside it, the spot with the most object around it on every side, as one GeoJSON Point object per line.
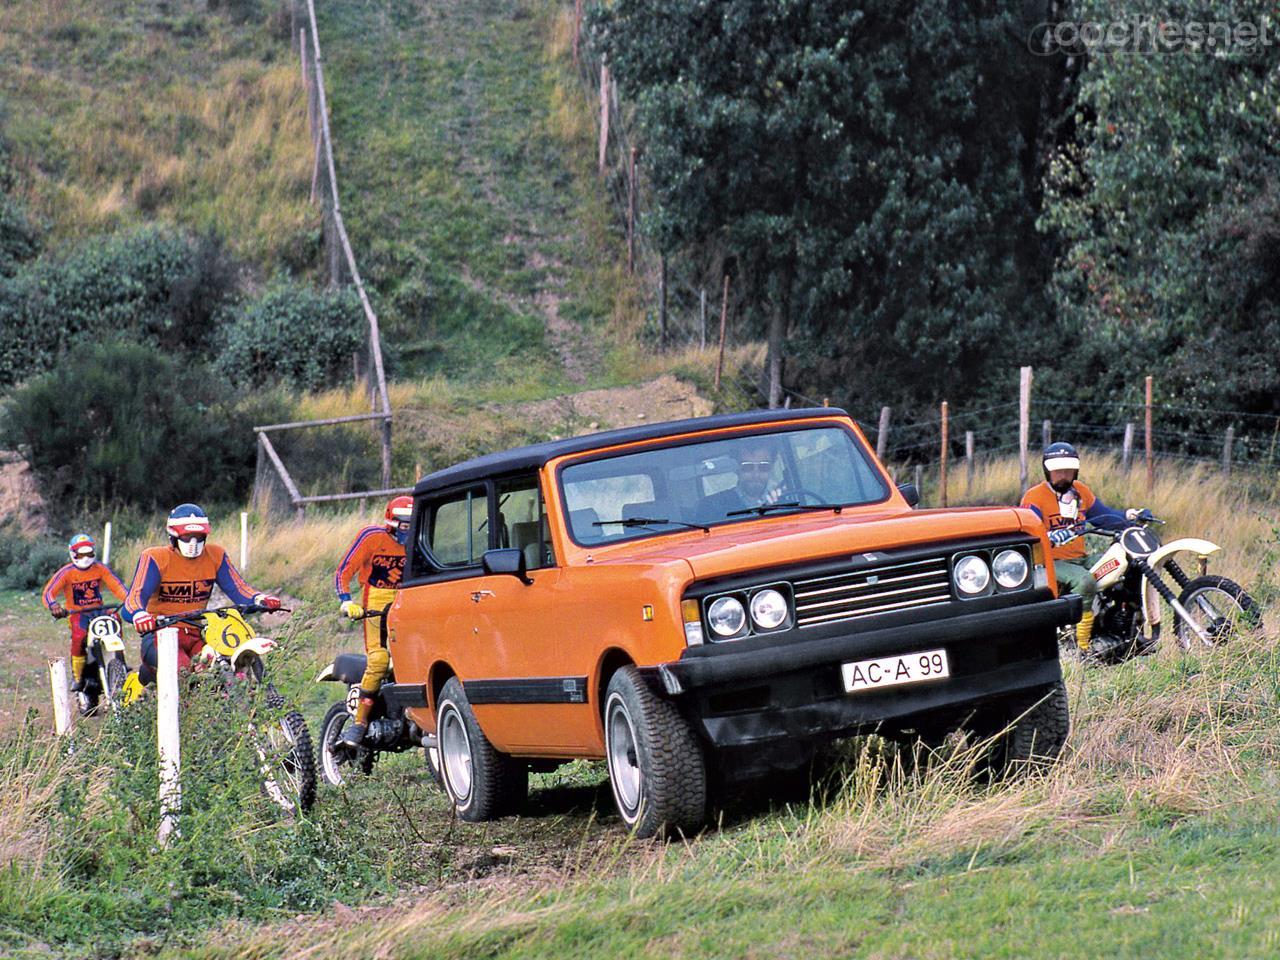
{"type": "Point", "coordinates": [797, 493]}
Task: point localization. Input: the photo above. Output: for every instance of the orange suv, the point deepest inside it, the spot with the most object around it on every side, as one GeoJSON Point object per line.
{"type": "Point", "coordinates": [711, 596]}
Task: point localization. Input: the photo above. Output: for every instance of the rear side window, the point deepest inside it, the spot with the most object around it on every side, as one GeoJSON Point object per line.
{"type": "Point", "coordinates": [454, 532]}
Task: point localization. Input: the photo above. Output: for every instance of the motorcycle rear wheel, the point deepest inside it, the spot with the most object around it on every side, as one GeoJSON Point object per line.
{"type": "Point", "coordinates": [335, 759]}
{"type": "Point", "coordinates": [1221, 607]}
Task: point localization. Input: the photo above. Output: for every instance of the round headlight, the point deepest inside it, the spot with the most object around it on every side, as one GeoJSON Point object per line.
{"type": "Point", "coordinates": [726, 616]}
{"type": "Point", "coordinates": [1010, 568]}
{"type": "Point", "coordinates": [972, 575]}
{"type": "Point", "coordinates": [768, 609]}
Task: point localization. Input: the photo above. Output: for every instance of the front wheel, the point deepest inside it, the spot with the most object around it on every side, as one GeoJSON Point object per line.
{"type": "Point", "coordinates": [288, 764]}
{"type": "Point", "coordinates": [656, 766]}
{"type": "Point", "coordinates": [117, 674]}
{"type": "Point", "coordinates": [1032, 731]}
{"type": "Point", "coordinates": [338, 761]}
{"type": "Point", "coordinates": [1220, 607]}
{"type": "Point", "coordinates": [482, 782]}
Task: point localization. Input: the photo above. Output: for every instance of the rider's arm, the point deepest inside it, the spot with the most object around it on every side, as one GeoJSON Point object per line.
{"type": "Point", "coordinates": [1100, 515]}
{"type": "Point", "coordinates": [233, 584]}
{"type": "Point", "coordinates": [146, 578]}
{"type": "Point", "coordinates": [353, 562]}
{"type": "Point", "coordinates": [56, 586]}
{"type": "Point", "coordinates": [113, 583]}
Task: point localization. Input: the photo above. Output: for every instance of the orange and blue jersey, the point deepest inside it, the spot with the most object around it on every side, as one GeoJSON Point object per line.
{"type": "Point", "coordinates": [1044, 501]}
{"type": "Point", "coordinates": [375, 558]}
{"type": "Point", "coordinates": [167, 583]}
{"type": "Point", "coordinates": [78, 589]}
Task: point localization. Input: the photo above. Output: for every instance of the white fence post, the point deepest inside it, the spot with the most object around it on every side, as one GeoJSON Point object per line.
{"type": "Point", "coordinates": [1024, 424]}
{"type": "Point", "coordinates": [167, 733]}
{"type": "Point", "coordinates": [106, 543]}
{"type": "Point", "coordinates": [61, 695]}
{"type": "Point", "coordinates": [244, 540]}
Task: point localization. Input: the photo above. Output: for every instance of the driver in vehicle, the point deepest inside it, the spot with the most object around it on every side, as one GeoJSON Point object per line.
{"type": "Point", "coordinates": [1065, 504]}
{"type": "Point", "coordinates": [759, 482]}
{"type": "Point", "coordinates": [180, 579]}
{"type": "Point", "coordinates": [79, 583]}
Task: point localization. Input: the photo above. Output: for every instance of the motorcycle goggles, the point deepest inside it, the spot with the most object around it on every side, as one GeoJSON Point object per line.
{"type": "Point", "coordinates": [83, 558]}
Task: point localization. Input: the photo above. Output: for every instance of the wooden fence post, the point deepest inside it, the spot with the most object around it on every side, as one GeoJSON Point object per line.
{"type": "Point", "coordinates": [724, 316]}
{"type": "Point", "coordinates": [577, 29]}
{"type": "Point", "coordinates": [1024, 423]}
{"type": "Point", "coordinates": [882, 435]}
{"type": "Point", "coordinates": [167, 738]}
{"type": "Point", "coordinates": [968, 461]}
{"type": "Point", "coordinates": [604, 115]}
{"type": "Point", "coordinates": [1226, 452]}
{"type": "Point", "coordinates": [1126, 452]}
{"type": "Point", "coordinates": [1046, 433]}
{"type": "Point", "coordinates": [1151, 456]}
{"type": "Point", "coordinates": [702, 318]}
{"type": "Point", "coordinates": [61, 695]}
{"type": "Point", "coordinates": [942, 465]}
{"type": "Point", "coordinates": [920, 481]}
{"type": "Point", "coordinates": [662, 302]}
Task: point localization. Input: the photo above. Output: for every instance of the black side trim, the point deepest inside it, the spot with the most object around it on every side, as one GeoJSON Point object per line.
{"type": "Point", "coordinates": [527, 690]}
{"type": "Point", "coordinates": [405, 694]}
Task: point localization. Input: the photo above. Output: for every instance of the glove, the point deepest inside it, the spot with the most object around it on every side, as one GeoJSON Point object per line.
{"type": "Point", "coordinates": [267, 602]}
{"type": "Point", "coordinates": [1063, 535]}
{"type": "Point", "coordinates": [206, 654]}
{"type": "Point", "coordinates": [144, 622]}
{"type": "Point", "coordinates": [352, 609]}
{"type": "Point", "coordinates": [59, 611]}
{"type": "Point", "coordinates": [1132, 514]}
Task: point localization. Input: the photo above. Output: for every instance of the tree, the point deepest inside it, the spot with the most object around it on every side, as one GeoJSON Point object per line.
{"type": "Point", "coordinates": [871, 166]}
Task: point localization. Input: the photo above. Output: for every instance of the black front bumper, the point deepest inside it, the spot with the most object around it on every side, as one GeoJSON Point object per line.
{"type": "Point", "coordinates": [796, 690]}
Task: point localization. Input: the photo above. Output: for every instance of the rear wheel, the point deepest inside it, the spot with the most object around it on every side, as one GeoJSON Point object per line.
{"type": "Point", "coordinates": [339, 761]}
{"type": "Point", "coordinates": [1220, 607]}
{"type": "Point", "coordinates": [656, 766]}
{"type": "Point", "coordinates": [482, 782]}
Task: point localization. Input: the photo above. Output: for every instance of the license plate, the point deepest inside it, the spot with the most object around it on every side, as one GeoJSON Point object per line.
{"type": "Point", "coordinates": [895, 671]}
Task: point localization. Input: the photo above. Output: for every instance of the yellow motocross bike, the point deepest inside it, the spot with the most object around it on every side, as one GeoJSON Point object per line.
{"type": "Point", "coordinates": [105, 670]}
{"type": "Point", "coordinates": [283, 744]}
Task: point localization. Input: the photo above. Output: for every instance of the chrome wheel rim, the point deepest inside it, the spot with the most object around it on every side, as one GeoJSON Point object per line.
{"type": "Point", "coordinates": [624, 762]}
{"type": "Point", "coordinates": [280, 773]}
{"type": "Point", "coordinates": [1217, 612]}
{"type": "Point", "coordinates": [455, 752]}
{"type": "Point", "coordinates": [330, 764]}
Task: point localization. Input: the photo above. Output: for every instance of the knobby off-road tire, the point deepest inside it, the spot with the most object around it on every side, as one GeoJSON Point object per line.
{"type": "Point", "coordinates": [657, 769]}
{"type": "Point", "coordinates": [1240, 611]}
{"type": "Point", "coordinates": [117, 673]}
{"type": "Point", "coordinates": [1036, 725]}
{"type": "Point", "coordinates": [337, 762]}
{"type": "Point", "coordinates": [289, 775]}
{"type": "Point", "coordinates": [482, 782]}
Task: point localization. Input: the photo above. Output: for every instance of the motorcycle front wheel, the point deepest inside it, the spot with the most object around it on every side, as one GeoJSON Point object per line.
{"type": "Point", "coordinates": [1221, 607]}
{"type": "Point", "coordinates": [117, 674]}
{"type": "Point", "coordinates": [288, 763]}
{"type": "Point", "coordinates": [337, 761]}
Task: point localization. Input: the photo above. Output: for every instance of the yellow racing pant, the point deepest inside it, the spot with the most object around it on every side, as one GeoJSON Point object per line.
{"type": "Point", "coordinates": [379, 658]}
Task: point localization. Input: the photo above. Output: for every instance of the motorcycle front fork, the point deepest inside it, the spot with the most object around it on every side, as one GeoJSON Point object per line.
{"type": "Point", "coordinates": [1168, 596]}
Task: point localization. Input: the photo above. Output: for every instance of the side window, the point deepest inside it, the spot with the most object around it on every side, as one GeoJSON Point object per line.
{"type": "Point", "coordinates": [522, 521]}
{"type": "Point", "coordinates": [453, 532]}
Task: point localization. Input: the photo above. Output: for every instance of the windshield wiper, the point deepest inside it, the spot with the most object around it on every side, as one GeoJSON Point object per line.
{"type": "Point", "coordinates": [651, 522]}
{"type": "Point", "coordinates": [764, 508]}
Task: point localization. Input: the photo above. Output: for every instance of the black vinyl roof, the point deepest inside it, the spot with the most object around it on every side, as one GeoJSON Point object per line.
{"type": "Point", "coordinates": [537, 455]}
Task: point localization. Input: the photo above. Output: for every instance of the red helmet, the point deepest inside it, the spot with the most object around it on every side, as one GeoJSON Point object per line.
{"type": "Point", "coordinates": [399, 511]}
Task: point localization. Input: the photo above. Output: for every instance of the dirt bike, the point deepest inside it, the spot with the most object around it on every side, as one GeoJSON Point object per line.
{"type": "Point", "coordinates": [389, 729]}
{"type": "Point", "coordinates": [1132, 579]}
{"type": "Point", "coordinates": [285, 755]}
{"type": "Point", "coordinates": [105, 669]}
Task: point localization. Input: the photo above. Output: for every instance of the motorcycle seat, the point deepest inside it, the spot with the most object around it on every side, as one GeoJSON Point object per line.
{"type": "Point", "coordinates": [349, 667]}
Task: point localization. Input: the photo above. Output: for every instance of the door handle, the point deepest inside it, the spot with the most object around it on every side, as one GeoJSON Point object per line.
{"type": "Point", "coordinates": [478, 595]}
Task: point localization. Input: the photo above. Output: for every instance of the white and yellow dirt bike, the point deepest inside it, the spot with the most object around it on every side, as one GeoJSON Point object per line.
{"type": "Point", "coordinates": [283, 743]}
{"type": "Point", "coordinates": [389, 731]}
{"type": "Point", "coordinates": [105, 669]}
{"type": "Point", "coordinates": [1132, 577]}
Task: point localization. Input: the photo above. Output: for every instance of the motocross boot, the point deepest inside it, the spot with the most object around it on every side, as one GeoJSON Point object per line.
{"type": "Point", "coordinates": [77, 671]}
{"type": "Point", "coordinates": [1104, 648]}
{"type": "Point", "coordinates": [353, 736]}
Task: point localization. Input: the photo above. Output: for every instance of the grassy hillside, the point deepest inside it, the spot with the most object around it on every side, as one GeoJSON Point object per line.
{"type": "Point", "coordinates": [136, 110]}
{"type": "Point", "coordinates": [1153, 837]}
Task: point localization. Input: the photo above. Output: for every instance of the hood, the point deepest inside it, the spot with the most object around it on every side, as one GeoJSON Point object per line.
{"type": "Point", "coordinates": [771, 542]}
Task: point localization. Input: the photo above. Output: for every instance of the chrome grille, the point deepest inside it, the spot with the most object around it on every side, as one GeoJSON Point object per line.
{"type": "Point", "coordinates": [863, 593]}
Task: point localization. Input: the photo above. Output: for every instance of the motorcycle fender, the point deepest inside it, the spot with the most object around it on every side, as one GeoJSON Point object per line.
{"type": "Point", "coordinates": [1201, 548]}
{"type": "Point", "coordinates": [256, 645]}
{"type": "Point", "coordinates": [114, 644]}
{"type": "Point", "coordinates": [327, 673]}
{"type": "Point", "coordinates": [353, 698]}
{"type": "Point", "coordinates": [1111, 566]}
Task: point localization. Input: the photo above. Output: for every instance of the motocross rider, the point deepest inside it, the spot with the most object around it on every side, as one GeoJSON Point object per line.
{"type": "Point", "coordinates": [1065, 504]}
{"type": "Point", "coordinates": [179, 579]}
{"type": "Point", "coordinates": [376, 560]}
{"type": "Point", "coordinates": [80, 584]}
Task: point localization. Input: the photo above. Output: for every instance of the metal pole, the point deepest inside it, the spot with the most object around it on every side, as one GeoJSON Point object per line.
{"type": "Point", "coordinates": [170, 746]}
{"type": "Point", "coordinates": [244, 540]}
{"type": "Point", "coordinates": [882, 435]}
{"type": "Point", "coordinates": [968, 460]}
{"type": "Point", "coordinates": [106, 543]}
{"type": "Point", "coordinates": [942, 466]}
{"type": "Point", "coordinates": [1024, 423]}
{"type": "Point", "coordinates": [1151, 463]}
{"type": "Point", "coordinates": [61, 695]}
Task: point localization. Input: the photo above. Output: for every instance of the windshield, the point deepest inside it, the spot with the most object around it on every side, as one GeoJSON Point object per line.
{"type": "Point", "coordinates": [717, 481]}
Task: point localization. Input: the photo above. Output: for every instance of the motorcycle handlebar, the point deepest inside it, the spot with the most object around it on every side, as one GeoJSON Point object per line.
{"type": "Point", "coordinates": [197, 615]}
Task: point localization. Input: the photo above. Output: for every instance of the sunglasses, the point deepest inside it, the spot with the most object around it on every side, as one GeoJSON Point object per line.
{"type": "Point", "coordinates": [759, 466]}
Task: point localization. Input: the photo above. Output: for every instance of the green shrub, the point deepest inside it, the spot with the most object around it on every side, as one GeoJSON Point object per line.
{"type": "Point", "coordinates": [19, 241]}
{"type": "Point", "coordinates": [28, 564]}
{"type": "Point", "coordinates": [150, 284]}
{"type": "Point", "coordinates": [125, 422]}
{"type": "Point", "coordinates": [291, 334]}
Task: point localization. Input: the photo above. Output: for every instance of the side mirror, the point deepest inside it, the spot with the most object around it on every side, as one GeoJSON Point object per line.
{"type": "Point", "coordinates": [508, 561]}
{"type": "Point", "coordinates": [909, 491]}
